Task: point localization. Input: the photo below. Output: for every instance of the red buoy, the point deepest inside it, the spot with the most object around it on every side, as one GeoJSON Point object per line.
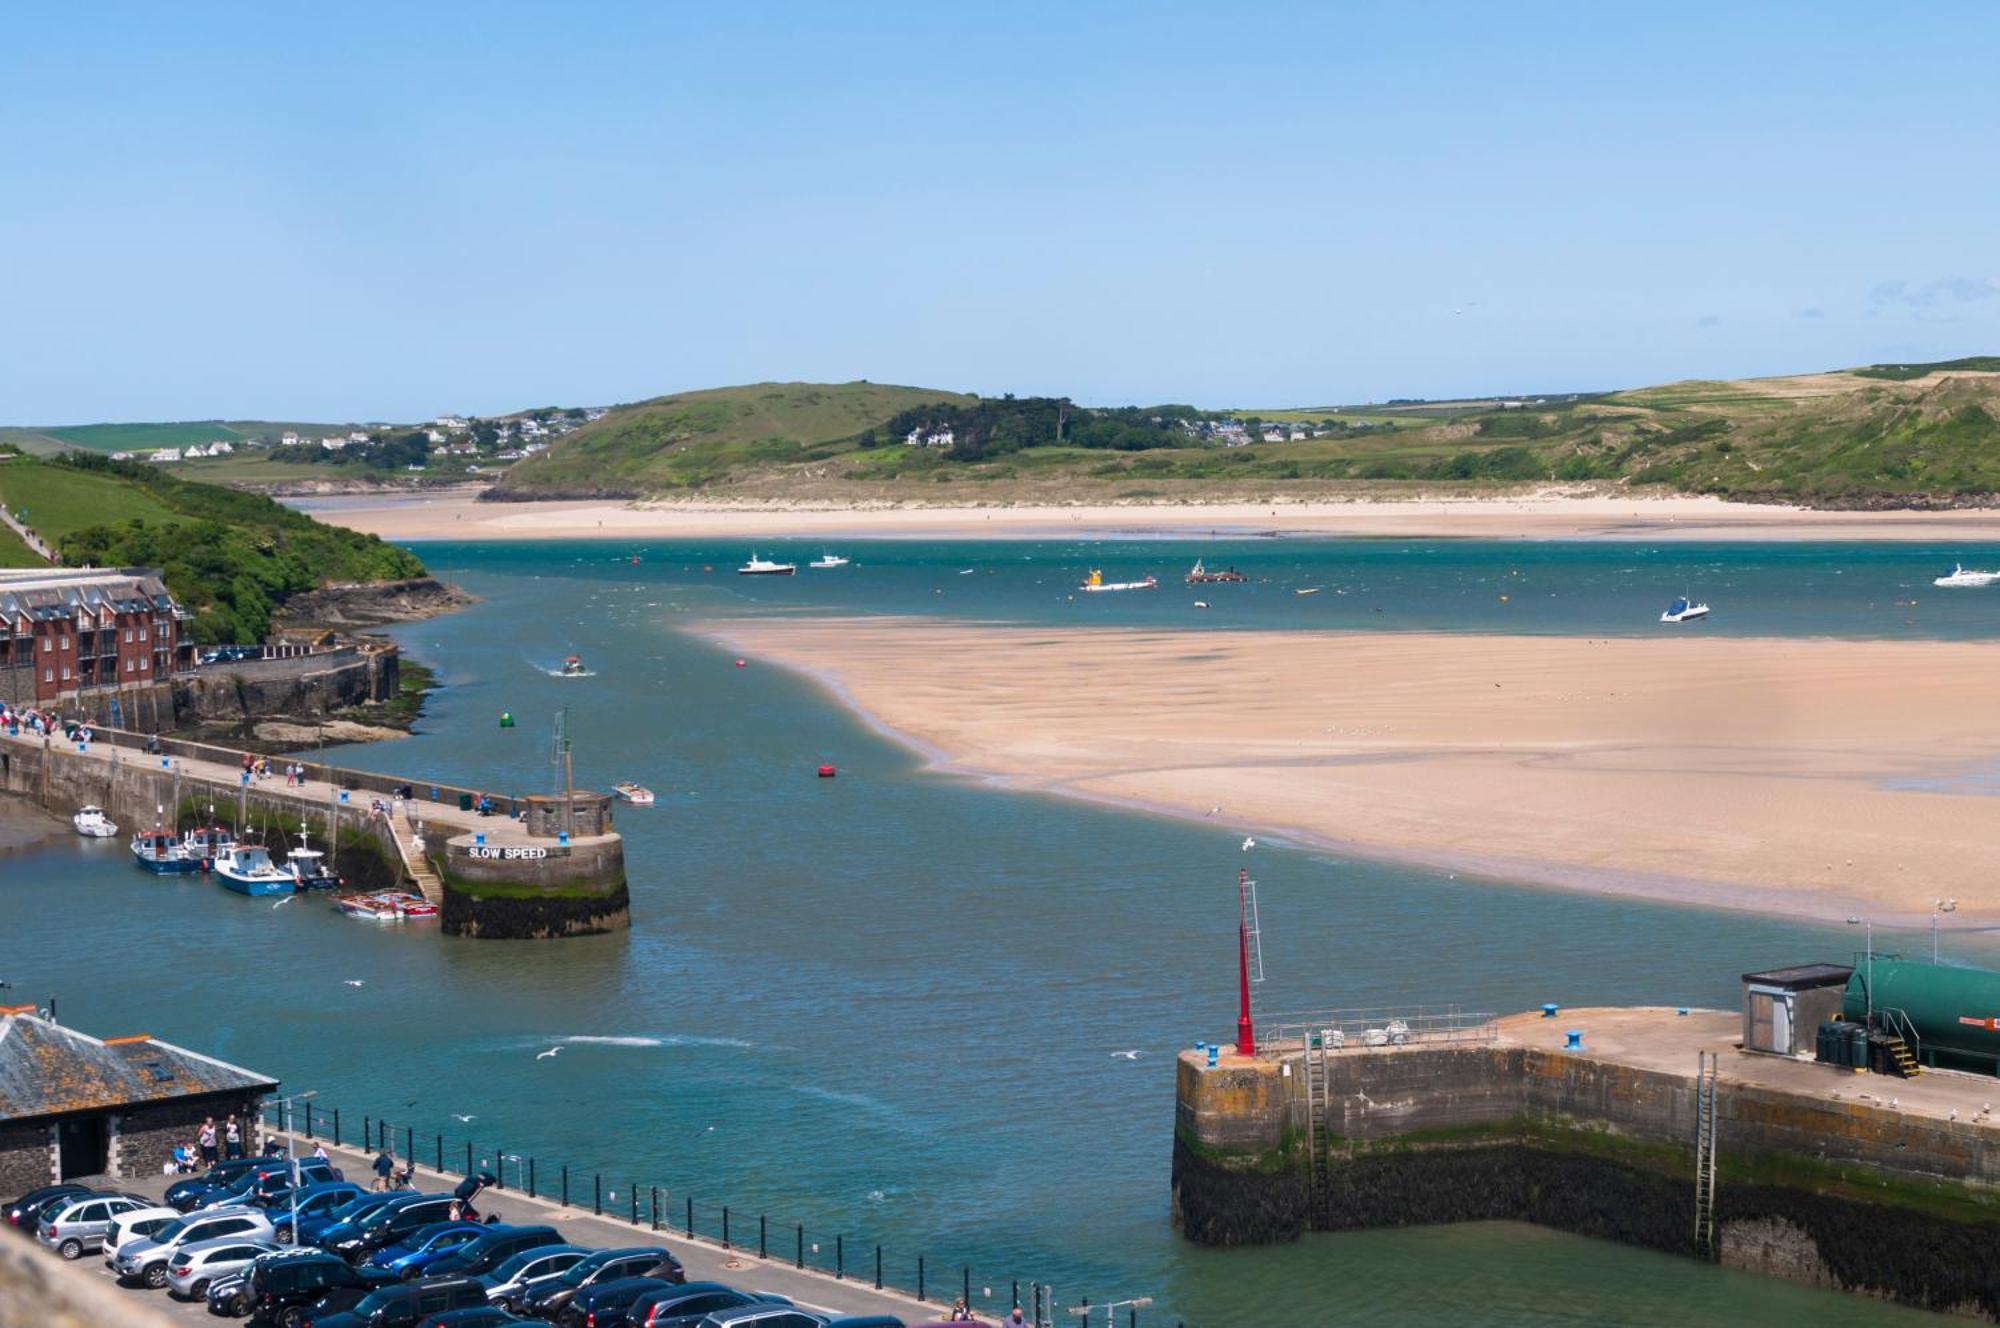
{"type": "Point", "coordinates": [827, 772]}
{"type": "Point", "coordinates": [739, 664]}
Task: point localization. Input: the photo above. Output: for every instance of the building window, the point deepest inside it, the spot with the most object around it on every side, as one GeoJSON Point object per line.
{"type": "Point", "coordinates": [128, 634]}
{"type": "Point", "coordinates": [142, 633]}
{"type": "Point", "coordinates": [48, 675]}
{"type": "Point", "coordinates": [142, 666]}
{"type": "Point", "coordinates": [48, 644]}
{"type": "Point", "coordinates": [65, 673]}
{"type": "Point", "coordinates": [65, 641]}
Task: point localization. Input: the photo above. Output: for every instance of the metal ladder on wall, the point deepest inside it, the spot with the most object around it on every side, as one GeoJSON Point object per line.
{"type": "Point", "coordinates": [1705, 1127]}
{"type": "Point", "coordinates": [1317, 1104]}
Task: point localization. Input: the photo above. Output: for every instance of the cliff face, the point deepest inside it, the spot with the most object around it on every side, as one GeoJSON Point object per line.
{"type": "Point", "coordinates": [372, 603]}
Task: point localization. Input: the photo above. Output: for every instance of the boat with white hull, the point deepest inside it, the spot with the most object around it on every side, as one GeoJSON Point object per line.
{"type": "Point", "coordinates": [248, 870]}
{"type": "Point", "coordinates": [1096, 584]}
{"type": "Point", "coordinates": [1962, 576]}
{"type": "Point", "coordinates": [827, 560]}
{"type": "Point", "coordinates": [1683, 610]}
{"type": "Point", "coordinates": [759, 566]}
{"type": "Point", "coordinates": [92, 823]}
{"type": "Point", "coordinates": [162, 853]}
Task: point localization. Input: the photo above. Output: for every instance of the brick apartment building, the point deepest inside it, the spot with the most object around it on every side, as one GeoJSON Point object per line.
{"type": "Point", "coordinates": [63, 631]}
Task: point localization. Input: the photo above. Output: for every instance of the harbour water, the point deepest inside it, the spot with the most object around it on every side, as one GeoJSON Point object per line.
{"type": "Point", "coordinates": [891, 1005]}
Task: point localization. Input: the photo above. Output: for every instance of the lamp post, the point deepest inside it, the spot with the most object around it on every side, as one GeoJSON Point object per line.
{"type": "Point", "coordinates": [1869, 952]}
{"type": "Point", "coordinates": [291, 1156]}
{"type": "Point", "coordinates": [1943, 906]}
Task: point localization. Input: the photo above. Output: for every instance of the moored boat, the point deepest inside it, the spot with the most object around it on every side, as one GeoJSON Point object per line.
{"type": "Point", "coordinates": [1961, 575]}
{"type": "Point", "coordinates": [760, 566]}
{"type": "Point", "coordinates": [826, 560]}
{"type": "Point", "coordinates": [204, 844]}
{"type": "Point", "coordinates": [636, 794]}
{"type": "Point", "coordinates": [1096, 583]}
{"type": "Point", "coordinates": [1683, 610]}
{"type": "Point", "coordinates": [162, 853]}
{"type": "Point", "coordinates": [310, 870]}
{"type": "Point", "coordinates": [1201, 576]}
{"type": "Point", "coordinates": [386, 906]}
{"type": "Point", "coordinates": [92, 823]}
{"type": "Point", "coordinates": [248, 870]}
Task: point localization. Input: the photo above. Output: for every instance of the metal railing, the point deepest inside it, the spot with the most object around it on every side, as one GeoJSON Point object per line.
{"type": "Point", "coordinates": [1374, 1028]}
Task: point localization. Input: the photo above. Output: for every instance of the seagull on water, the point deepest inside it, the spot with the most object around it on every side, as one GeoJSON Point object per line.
{"type": "Point", "coordinates": [544, 1055]}
{"type": "Point", "coordinates": [355, 982]}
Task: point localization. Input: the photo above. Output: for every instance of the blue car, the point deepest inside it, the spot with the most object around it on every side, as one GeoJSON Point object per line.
{"type": "Point", "coordinates": [313, 1230]}
{"type": "Point", "coordinates": [409, 1257]}
{"type": "Point", "coordinates": [317, 1200]}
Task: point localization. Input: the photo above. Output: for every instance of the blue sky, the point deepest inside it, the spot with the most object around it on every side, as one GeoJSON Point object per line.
{"type": "Point", "coordinates": [364, 212]}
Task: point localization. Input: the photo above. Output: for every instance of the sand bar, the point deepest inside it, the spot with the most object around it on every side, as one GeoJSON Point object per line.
{"type": "Point", "coordinates": [458, 515]}
{"type": "Point", "coordinates": [1805, 777]}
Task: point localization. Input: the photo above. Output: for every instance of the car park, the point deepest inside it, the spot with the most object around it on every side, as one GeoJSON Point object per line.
{"type": "Point", "coordinates": [389, 1223]}
{"type": "Point", "coordinates": [25, 1211]}
{"type": "Point", "coordinates": [547, 1299]}
{"type": "Point", "coordinates": [145, 1259]}
{"type": "Point", "coordinates": [194, 1266]}
{"type": "Point", "coordinates": [405, 1304]}
{"type": "Point", "coordinates": [139, 1223]}
{"type": "Point", "coordinates": [529, 1267]}
{"type": "Point", "coordinates": [79, 1225]}
{"type": "Point", "coordinates": [689, 1303]}
{"type": "Point", "coordinates": [284, 1287]}
{"type": "Point", "coordinates": [865, 1321]}
{"type": "Point", "coordinates": [478, 1258]}
{"type": "Point", "coordinates": [410, 1257]}
{"type": "Point", "coordinates": [185, 1193]}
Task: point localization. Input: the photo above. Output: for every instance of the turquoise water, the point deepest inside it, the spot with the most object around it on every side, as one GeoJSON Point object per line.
{"type": "Point", "coordinates": [888, 1005]}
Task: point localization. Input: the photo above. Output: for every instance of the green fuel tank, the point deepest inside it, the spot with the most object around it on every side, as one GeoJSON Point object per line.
{"type": "Point", "coordinates": [1955, 1011]}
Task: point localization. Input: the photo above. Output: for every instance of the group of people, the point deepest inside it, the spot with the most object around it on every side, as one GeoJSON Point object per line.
{"type": "Point", "coordinates": [15, 719]}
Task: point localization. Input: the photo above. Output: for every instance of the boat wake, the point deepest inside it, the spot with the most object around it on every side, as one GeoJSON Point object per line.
{"type": "Point", "coordinates": [668, 1040]}
{"type": "Point", "coordinates": [561, 673]}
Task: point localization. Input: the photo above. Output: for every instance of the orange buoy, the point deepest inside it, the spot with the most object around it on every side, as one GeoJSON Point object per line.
{"type": "Point", "coordinates": [827, 772]}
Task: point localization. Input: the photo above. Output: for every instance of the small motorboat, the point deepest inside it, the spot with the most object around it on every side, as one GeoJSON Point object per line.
{"type": "Point", "coordinates": [309, 868]}
{"type": "Point", "coordinates": [1308, 590]}
{"type": "Point", "coordinates": [386, 906]}
{"type": "Point", "coordinates": [759, 566]}
{"type": "Point", "coordinates": [1095, 583]}
{"type": "Point", "coordinates": [91, 823]}
{"type": "Point", "coordinates": [162, 853]}
{"type": "Point", "coordinates": [573, 668]}
{"type": "Point", "coordinates": [1683, 610]}
{"type": "Point", "coordinates": [1960, 575]}
{"type": "Point", "coordinates": [828, 771]}
{"type": "Point", "coordinates": [1201, 576]}
{"type": "Point", "coordinates": [248, 870]}
{"type": "Point", "coordinates": [636, 794]}
{"type": "Point", "coordinates": [826, 560]}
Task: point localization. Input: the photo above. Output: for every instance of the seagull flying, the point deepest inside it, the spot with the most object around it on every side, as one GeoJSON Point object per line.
{"type": "Point", "coordinates": [467, 1119]}
{"type": "Point", "coordinates": [544, 1055]}
{"type": "Point", "coordinates": [355, 982]}
{"type": "Point", "coordinates": [1248, 843]}
{"type": "Point", "coordinates": [286, 900]}
{"type": "Point", "coordinates": [1213, 810]}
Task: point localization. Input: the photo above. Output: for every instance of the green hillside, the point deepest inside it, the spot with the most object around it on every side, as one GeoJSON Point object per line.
{"type": "Point", "coordinates": [228, 555]}
{"type": "Point", "coordinates": [144, 437]}
{"type": "Point", "coordinates": [694, 439]}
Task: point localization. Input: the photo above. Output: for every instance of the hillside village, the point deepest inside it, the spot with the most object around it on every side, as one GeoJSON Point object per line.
{"type": "Point", "coordinates": [471, 440]}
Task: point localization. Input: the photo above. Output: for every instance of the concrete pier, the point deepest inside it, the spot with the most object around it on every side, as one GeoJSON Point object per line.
{"type": "Point", "coordinates": [1877, 1184]}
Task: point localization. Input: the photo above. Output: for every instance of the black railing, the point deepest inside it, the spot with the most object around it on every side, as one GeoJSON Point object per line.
{"type": "Point", "coordinates": [655, 1211]}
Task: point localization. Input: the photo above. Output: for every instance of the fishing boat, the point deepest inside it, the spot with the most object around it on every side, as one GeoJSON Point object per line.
{"type": "Point", "coordinates": [1960, 575]}
{"type": "Point", "coordinates": [636, 794]}
{"type": "Point", "coordinates": [1096, 583]}
{"type": "Point", "coordinates": [248, 870]}
{"type": "Point", "coordinates": [759, 566]}
{"type": "Point", "coordinates": [309, 869]}
{"type": "Point", "coordinates": [162, 853]}
{"type": "Point", "coordinates": [1683, 610]}
{"type": "Point", "coordinates": [826, 560]}
{"type": "Point", "coordinates": [204, 844]}
{"type": "Point", "coordinates": [573, 668]}
{"type": "Point", "coordinates": [91, 823]}
{"type": "Point", "coordinates": [386, 906]}
{"type": "Point", "coordinates": [1201, 576]}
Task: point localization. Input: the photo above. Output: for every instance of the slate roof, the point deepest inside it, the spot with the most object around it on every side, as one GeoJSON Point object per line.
{"type": "Point", "coordinates": [49, 1070]}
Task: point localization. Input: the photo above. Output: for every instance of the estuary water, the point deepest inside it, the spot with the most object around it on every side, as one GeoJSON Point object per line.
{"type": "Point", "coordinates": [914, 1009]}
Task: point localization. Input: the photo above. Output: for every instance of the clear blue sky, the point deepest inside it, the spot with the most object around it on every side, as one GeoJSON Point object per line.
{"type": "Point", "coordinates": [354, 211]}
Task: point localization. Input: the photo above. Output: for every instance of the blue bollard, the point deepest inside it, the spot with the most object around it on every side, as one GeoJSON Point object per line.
{"type": "Point", "coordinates": [1549, 1010]}
{"type": "Point", "coordinates": [1213, 1053]}
{"type": "Point", "coordinates": [562, 836]}
{"type": "Point", "coordinates": [479, 836]}
{"type": "Point", "coordinates": [1573, 1039]}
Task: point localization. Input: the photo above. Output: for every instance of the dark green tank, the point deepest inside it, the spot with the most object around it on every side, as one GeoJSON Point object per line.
{"type": "Point", "coordinates": [1955, 1011]}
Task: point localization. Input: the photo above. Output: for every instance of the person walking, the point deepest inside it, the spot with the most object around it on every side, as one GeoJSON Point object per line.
{"type": "Point", "coordinates": [385, 1165]}
{"type": "Point", "coordinates": [232, 1138]}
{"type": "Point", "coordinates": [205, 1140]}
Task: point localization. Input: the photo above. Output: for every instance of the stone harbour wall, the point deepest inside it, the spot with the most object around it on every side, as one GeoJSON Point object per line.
{"type": "Point", "coordinates": [534, 893]}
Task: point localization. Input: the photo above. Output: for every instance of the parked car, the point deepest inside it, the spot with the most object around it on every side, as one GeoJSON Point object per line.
{"type": "Point", "coordinates": [187, 1192]}
{"type": "Point", "coordinates": [865, 1321]}
{"type": "Point", "coordinates": [286, 1289]}
{"type": "Point", "coordinates": [194, 1266]}
{"type": "Point", "coordinates": [484, 1316]}
{"type": "Point", "coordinates": [409, 1257]}
{"type": "Point", "coordinates": [528, 1267]}
{"type": "Point", "coordinates": [403, 1305]}
{"type": "Point", "coordinates": [139, 1223]}
{"type": "Point", "coordinates": [79, 1225]}
{"type": "Point", "coordinates": [25, 1211]}
{"type": "Point", "coordinates": [688, 1303]}
{"type": "Point", "coordinates": [231, 654]}
{"type": "Point", "coordinates": [229, 1297]}
{"type": "Point", "coordinates": [313, 1201]}
{"type": "Point", "coordinates": [311, 1229]}
{"type": "Point", "coordinates": [260, 1185]}
{"type": "Point", "coordinates": [388, 1224]}
{"type": "Point", "coordinates": [764, 1316]}
{"type": "Point", "coordinates": [145, 1259]}
{"type": "Point", "coordinates": [605, 1304]}
{"type": "Point", "coordinates": [546, 1299]}
{"type": "Point", "coordinates": [480, 1257]}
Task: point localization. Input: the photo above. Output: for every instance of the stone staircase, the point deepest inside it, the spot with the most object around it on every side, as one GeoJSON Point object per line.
{"type": "Point", "coordinates": [416, 866]}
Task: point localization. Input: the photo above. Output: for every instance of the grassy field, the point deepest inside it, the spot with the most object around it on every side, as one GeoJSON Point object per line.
{"type": "Point", "coordinates": [13, 553]}
{"type": "Point", "coordinates": [54, 502]}
{"type": "Point", "coordinates": [144, 437]}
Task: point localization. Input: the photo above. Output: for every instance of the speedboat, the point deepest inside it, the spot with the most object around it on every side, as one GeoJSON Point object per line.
{"type": "Point", "coordinates": [1683, 610]}
{"type": "Point", "coordinates": [572, 668]}
{"type": "Point", "coordinates": [1201, 576]}
{"type": "Point", "coordinates": [636, 794]}
{"type": "Point", "coordinates": [162, 853]}
{"type": "Point", "coordinates": [386, 906]}
{"type": "Point", "coordinates": [1095, 583]}
{"type": "Point", "coordinates": [248, 870]}
{"type": "Point", "coordinates": [758, 566]}
{"type": "Point", "coordinates": [1959, 575]}
{"type": "Point", "coordinates": [91, 823]}
{"type": "Point", "coordinates": [826, 560]}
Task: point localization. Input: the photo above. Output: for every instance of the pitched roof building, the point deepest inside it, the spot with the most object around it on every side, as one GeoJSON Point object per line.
{"type": "Point", "coordinates": [66, 629]}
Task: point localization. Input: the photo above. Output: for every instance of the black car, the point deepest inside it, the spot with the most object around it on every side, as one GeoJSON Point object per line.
{"type": "Point", "coordinates": [387, 1223]}
{"type": "Point", "coordinates": [403, 1305]}
{"type": "Point", "coordinates": [282, 1289]}
{"type": "Point", "coordinates": [547, 1299]}
{"type": "Point", "coordinates": [185, 1194]}
{"type": "Point", "coordinates": [26, 1211]}
{"type": "Point", "coordinates": [489, 1316]}
{"type": "Point", "coordinates": [482, 1254]}
{"type": "Point", "coordinates": [688, 1303]}
{"type": "Point", "coordinates": [605, 1304]}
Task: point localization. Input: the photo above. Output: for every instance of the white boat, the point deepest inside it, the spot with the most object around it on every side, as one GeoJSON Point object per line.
{"type": "Point", "coordinates": [162, 853]}
{"type": "Point", "coordinates": [205, 844]}
{"type": "Point", "coordinates": [248, 870]}
{"type": "Point", "coordinates": [309, 868]}
{"type": "Point", "coordinates": [1095, 583]}
{"type": "Point", "coordinates": [386, 906]}
{"type": "Point", "coordinates": [759, 566]}
{"type": "Point", "coordinates": [91, 823]}
{"type": "Point", "coordinates": [636, 794]}
{"type": "Point", "coordinates": [1960, 576]}
{"type": "Point", "coordinates": [826, 560]}
{"type": "Point", "coordinates": [1683, 610]}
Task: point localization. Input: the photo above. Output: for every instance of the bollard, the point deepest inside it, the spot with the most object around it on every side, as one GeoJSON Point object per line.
{"type": "Point", "coordinates": [596, 1195]}
{"type": "Point", "coordinates": [920, 1277]}
{"type": "Point", "coordinates": [367, 1134]}
{"type": "Point", "coordinates": [878, 1267]}
{"type": "Point", "coordinates": [468, 1158]}
{"type": "Point", "coordinates": [840, 1258]}
{"type": "Point", "coordinates": [656, 1208]}
{"type": "Point", "coordinates": [725, 1226]}
{"type": "Point", "coordinates": [565, 1198]}
{"type": "Point", "coordinates": [440, 1155]}
{"type": "Point", "coordinates": [531, 1178]}
{"type": "Point", "coordinates": [802, 1245]}
{"type": "Point", "coordinates": [1085, 1320]}
{"type": "Point", "coordinates": [409, 1143]}
{"type": "Point", "coordinates": [690, 1221]}
{"type": "Point", "coordinates": [1017, 1294]}
{"type": "Point", "coordinates": [966, 1271]}
{"type": "Point", "coordinates": [336, 1127]}
{"type": "Point", "coordinates": [763, 1237]}
{"type": "Point", "coordinates": [633, 1191]}
{"type": "Point", "coordinates": [309, 1120]}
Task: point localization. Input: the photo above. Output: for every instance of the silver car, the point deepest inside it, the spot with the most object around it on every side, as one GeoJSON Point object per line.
{"type": "Point", "coordinates": [145, 1259]}
{"type": "Point", "coordinates": [521, 1271]}
{"type": "Point", "coordinates": [194, 1266]}
{"type": "Point", "coordinates": [135, 1225]}
{"type": "Point", "coordinates": [80, 1226]}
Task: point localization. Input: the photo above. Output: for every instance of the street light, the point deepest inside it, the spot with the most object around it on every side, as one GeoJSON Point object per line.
{"type": "Point", "coordinates": [291, 1157]}
{"type": "Point", "coordinates": [1870, 952]}
{"type": "Point", "coordinates": [1943, 906]}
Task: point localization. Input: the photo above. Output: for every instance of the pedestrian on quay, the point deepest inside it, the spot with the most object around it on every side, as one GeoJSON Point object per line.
{"type": "Point", "coordinates": [205, 1140]}
{"type": "Point", "coordinates": [232, 1138]}
{"type": "Point", "coordinates": [385, 1164]}
{"type": "Point", "coordinates": [1015, 1320]}
{"type": "Point", "coordinates": [319, 1153]}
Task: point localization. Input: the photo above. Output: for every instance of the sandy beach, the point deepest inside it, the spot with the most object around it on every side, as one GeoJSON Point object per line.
{"type": "Point", "coordinates": [1808, 777]}
{"type": "Point", "coordinates": [458, 515]}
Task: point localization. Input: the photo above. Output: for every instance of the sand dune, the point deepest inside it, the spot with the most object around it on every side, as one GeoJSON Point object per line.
{"type": "Point", "coordinates": [1795, 776]}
